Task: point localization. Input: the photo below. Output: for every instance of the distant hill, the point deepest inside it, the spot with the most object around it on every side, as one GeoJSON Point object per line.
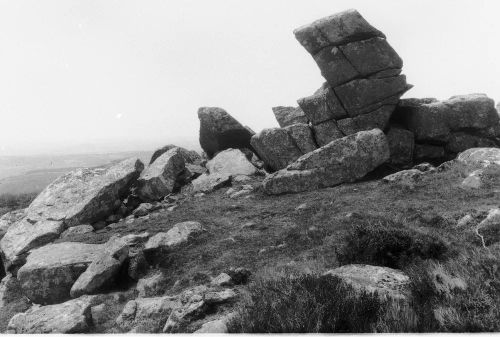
{"type": "Point", "coordinates": [20, 175]}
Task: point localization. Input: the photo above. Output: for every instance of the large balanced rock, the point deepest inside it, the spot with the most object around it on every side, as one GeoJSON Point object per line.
{"type": "Point", "coordinates": [288, 115]}
{"type": "Point", "coordinates": [81, 196]}
{"type": "Point", "coordinates": [50, 271]}
{"type": "Point", "coordinates": [69, 317]}
{"type": "Point", "coordinates": [385, 281]}
{"type": "Point", "coordinates": [230, 162]}
{"type": "Point", "coordinates": [276, 148]}
{"type": "Point", "coordinates": [163, 176]}
{"type": "Point", "coordinates": [220, 131]}
{"type": "Point", "coordinates": [363, 73]}
{"type": "Point", "coordinates": [343, 160]}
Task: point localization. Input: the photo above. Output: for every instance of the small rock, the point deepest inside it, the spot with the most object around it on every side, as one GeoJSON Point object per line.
{"type": "Point", "coordinates": [406, 178]}
{"type": "Point", "coordinates": [240, 193]}
{"type": "Point", "coordinates": [474, 180]}
{"type": "Point", "coordinates": [301, 207]}
{"type": "Point", "coordinates": [214, 327]}
{"type": "Point", "coordinates": [222, 280]}
{"type": "Point", "coordinates": [179, 234]}
{"type": "Point", "coordinates": [425, 167]}
{"type": "Point", "coordinates": [144, 209]}
{"type": "Point", "coordinates": [465, 221]}
{"type": "Point", "coordinates": [217, 297]}
{"type": "Point", "coordinates": [99, 313]}
{"type": "Point", "coordinates": [241, 178]}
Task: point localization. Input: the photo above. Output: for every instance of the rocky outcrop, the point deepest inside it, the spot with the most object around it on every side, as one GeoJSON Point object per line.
{"type": "Point", "coordinates": [81, 196]}
{"type": "Point", "coordinates": [10, 292]}
{"type": "Point", "coordinates": [230, 162]}
{"type": "Point", "coordinates": [343, 160]}
{"type": "Point", "coordinates": [162, 177]}
{"type": "Point", "coordinates": [69, 317]}
{"type": "Point", "coordinates": [362, 72]}
{"type": "Point", "coordinates": [8, 219]}
{"type": "Point", "coordinates": [480, 157]}
{"type": "Point", "coordinates": [51, 271]}
{"type": "Point", "coordinates": [287, 115]}
{"type": "Point", "coordinates": [385, 281]}
{"type": "Point", "coordinates": [220, 131]}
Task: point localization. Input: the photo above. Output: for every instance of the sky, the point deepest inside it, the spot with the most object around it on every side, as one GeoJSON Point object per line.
{"type": "Point", "coordinates": [105, 76]}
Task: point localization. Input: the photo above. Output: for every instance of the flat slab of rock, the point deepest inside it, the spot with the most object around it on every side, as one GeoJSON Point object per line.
{"type": "Point", "coordinates": [85, 195]}
{"type": "Point", "coordinates": [322, 106]}
{"type": "Point", "coordinates": [378, 119]}
{"type": "Point", "coordinates": [276, 148]}
{"type": "Point", "coordinates": [288, 115]}
{"type": "Point", "coordinates": [77, 230]}
{"type": "Point", "coordinates": [50, 271]}
{"type": "Point", "coordinates": [231, 162]}
{"type": "Point", "coordinates": [220, 131]}
{"type": "Point", "coordinates": [343, 160]}
{"type": "Point", "coordinates": [383, 280]}
{"type": "Point", "coordinates": [69, 317]}
{"type": "Point", "coordinates": [162, 177]}
{"type": "Point", "coordinates": [179, 234]}
{"type": "Point", "coordinates": [103, 269]}
{"type": "Point", "coordinates": [147, 314]}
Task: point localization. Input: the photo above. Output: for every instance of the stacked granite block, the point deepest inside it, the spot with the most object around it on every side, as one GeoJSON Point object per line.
{"type": "Point", "coordinates": [362, 72]}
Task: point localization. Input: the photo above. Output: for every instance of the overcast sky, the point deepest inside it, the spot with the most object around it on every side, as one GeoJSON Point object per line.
{"type": "Point", "coordinates": [98, 76]}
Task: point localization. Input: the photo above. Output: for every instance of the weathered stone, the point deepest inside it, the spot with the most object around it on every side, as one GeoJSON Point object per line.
{"type": "Point", "coordinates": [210, 182]}
{"type": "Point", "coordinates": [218, 297]}
{"type": "Point", "coordinates": [138, 265]}
{"type": "Point", "coordinates": [337, 29]}
{"type": "Point", "coordinates": [220, 131]}
{"type": "Point", "coordinates": [85, 195]}
{"type": "Point", "coordinates": [322, 106]}
{"type": "Point", "coordinates": [9, 219]}
{"type": "Point", "coordinates": [303, 137]}
{"type": "Point", "coordinates": [181, 233]}
{"type": "Point", "coordinates": [426, 151]}
{"type": "Point", "coordinates": [230, 162]}
{"type": "Point", "coordinates": [436, 120]}
{"type": "Point", "coordinates": [288, 115]}
{"type": "Point", "coordinates": [275, 147]}
{"type": "Point", "coordinates": [344, 160]}
{"type": "Point", "coordinates": [334, 66]}
{"type": "Point", "coordinates": [371, 56]}
{"type": "Point", "coordinates": [359, 95]}
{"type": "Point", "coordinates": [69, 317]}
{"type": "Point", "coordinates": [480, 157]}
{"type": "Point", "coordinates": [162, 177]}
{"type": "Point", "coordinates": [51, 271]}
{"type": "Point", "coordinates": [215, 327]}
{"type": "Point", "coordinates": [474, 180]}
{"type": "Point", "coordinates": [183, 315]}
{"type": "Point", "coordinates": [407, 178]}
{"type": "Point", "coordinates": [378, 119]}
{"type": "Point", "coordinates": [327, 131]}
{"type": "Point", "coordinates": [385, 281]}
{"type": "Point", "coordinates": [425, 167]}
{"type": "Point", "coordinates": [77, 230]}
{"type": "Point", "coordinates": [25, 235]}
{"type": "Point", "coordinates": [10, 291]}
{"type": "Point", "coordinates": [461, 141]}
{"type": "Point", "coordinates": [401, 145]}
{"type": "Point", "coordinates": [190, 157]}
{"type": "Point", "coordinates": [147, 314]}
{"type": "Point", "coordinates": [103, 268]}
{"type": "Point", "coordinates": [153, 285]}
{"type": "Point", "coordinates": [222, 280]}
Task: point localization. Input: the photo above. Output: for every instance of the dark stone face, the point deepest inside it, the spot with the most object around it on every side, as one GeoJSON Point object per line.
{"type": "Point", "coordinates": [234, 139]}
{"type": "Point", "coordinates": [2, 269]}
